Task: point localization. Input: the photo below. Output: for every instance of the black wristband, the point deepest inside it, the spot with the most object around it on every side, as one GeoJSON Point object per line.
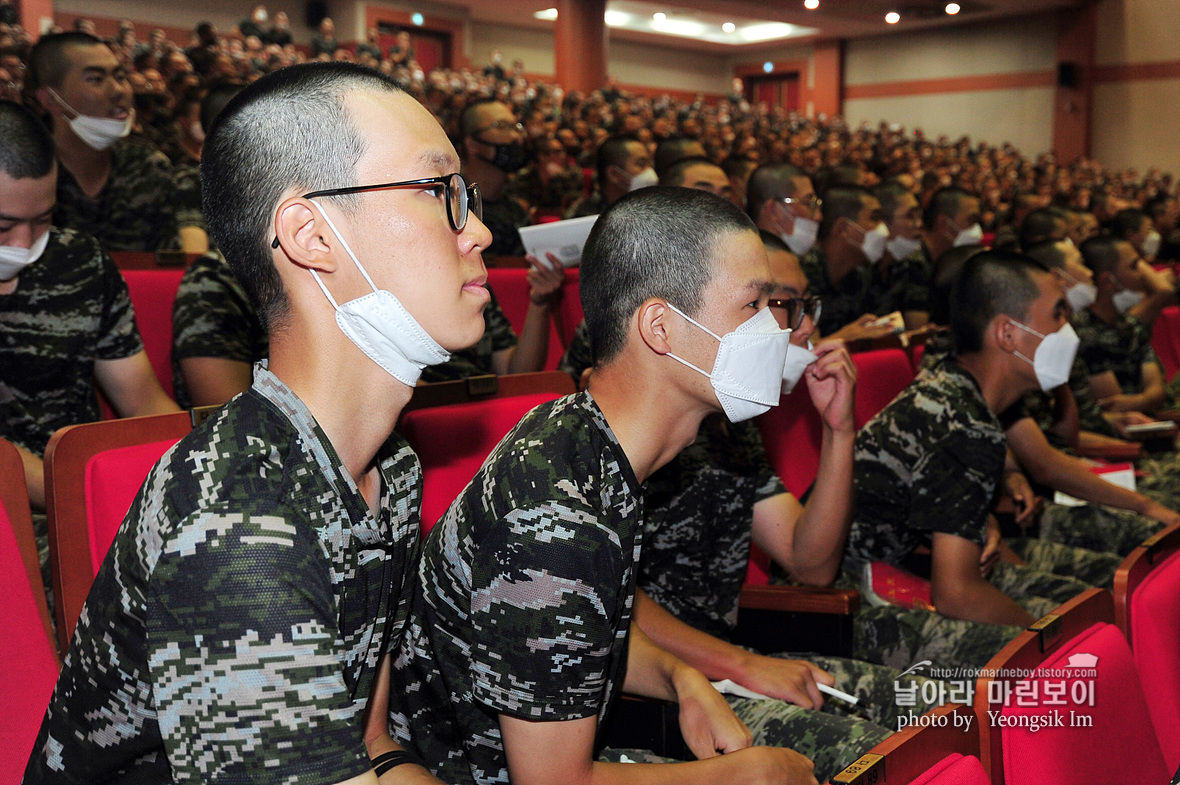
{"type": "Point", "coordinates": [388, 760]}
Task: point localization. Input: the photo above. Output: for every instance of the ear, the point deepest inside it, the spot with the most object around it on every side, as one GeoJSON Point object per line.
{"type": "Point", "coordinates": [45, 99]}
{"type": "Point", "coordinates": [1004, 332]}
{"type": "Point", "coordinates": [654, 316]}
{"type": "Point", "coordinates": [304, 237]}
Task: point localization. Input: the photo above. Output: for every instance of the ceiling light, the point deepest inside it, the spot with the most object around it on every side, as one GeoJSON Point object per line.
{"type": "Point", "coordinates": [811, 5]}
{"type": "Point", "coordinates": [549, 14]}
{"type": "Point", "coordinates": [729, 27]}
{"type": "Point", "coordinates": [659, 16]}
{"type": "Point", "coordinates": [768, 67]}
{"type": "Point", "coordinates": [892, 18]}
{"type": "Point", "coordinates": [952, 8]}
{"type": "Point", "coordinates": [616, 18]}
{"type": "Point", "coordinates": [767, 31]}
{"type": "Point", "coordinates": [417, 19]}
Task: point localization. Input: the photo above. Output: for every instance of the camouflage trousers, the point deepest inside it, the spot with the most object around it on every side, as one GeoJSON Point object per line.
{"type": "Point", "coordinates": [901, 637]}
{"type": "Point", "coordinates": [1160, 478]}
{"type": "Point", "coordinates": [1096, 528]}
{"type": "Point", "coordinates": [41, 534]}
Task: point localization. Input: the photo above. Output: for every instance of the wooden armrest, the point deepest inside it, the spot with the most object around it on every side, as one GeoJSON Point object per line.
{"type": "Point", "coordinates": [800, 599]}
{"type": "Point", "coordinates": [1111, 452]}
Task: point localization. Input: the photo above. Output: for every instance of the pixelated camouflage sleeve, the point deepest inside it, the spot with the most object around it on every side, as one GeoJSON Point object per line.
{"type": "Point", "coordinates": [118, 336]}
{"type": "Point", "coordinates": [242, 650]}
{"type": "Point", "coordinates": [545, 579]}
{"type": "Point", "coordinates": [212, 315]}
{"type": "Point", "coordinates": [952, 491]}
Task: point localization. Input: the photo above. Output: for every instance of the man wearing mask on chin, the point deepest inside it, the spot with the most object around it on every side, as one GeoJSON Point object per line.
{"type": "Point", "coordinates": [952, 220]}
{"type": "Point", "coordinates": [117, 189]}
{"type": "Point", "coordinates": [852, 238]}
{"type": "Point", "coordinates": [1115, 330]}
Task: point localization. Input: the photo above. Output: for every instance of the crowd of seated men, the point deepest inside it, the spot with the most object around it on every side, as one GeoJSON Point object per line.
{"type": "Point", "coordinates": [858, 224]}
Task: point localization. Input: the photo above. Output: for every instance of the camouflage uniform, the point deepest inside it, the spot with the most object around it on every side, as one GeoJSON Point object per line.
{"type": "Point", "coordinates": [904, 286]}
{"type": "Point", "coordinates": [503, 218]}
{"type": "Point", "coordinates": [70, 308]}
{"type": "Point", "coordinates": [186, 177]}
{"type": "Point", "coordinates": [476, 360]}
{"type": "Point", "coordinates": [594, 204]}
{"type": "Point", "coordinates": [845, 302]}
{"type": "Point", "coordinates": [1124, 347]}
{"type": "Point", "coordinates": [561, 190]}
{"type": "Point", "coordinates": [931, 462]}
{"type": "Point", "coordinates": [234, 629]}
{"type": "Point", "coordinates": [212, 316]}
{"type": "Point", "coordinates": [524, 600]}
{"type": "Point", "coordinates": [135, 210]}
{"type": "Point", "coordinates": [696, 546]}
{"type": "Point", "coordinates": [577, 356]}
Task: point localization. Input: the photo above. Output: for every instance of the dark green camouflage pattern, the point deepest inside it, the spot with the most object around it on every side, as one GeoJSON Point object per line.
{"type": "Point", "coordinates": [212, 316]}
{"type": "Point", "coordinates": [844, 302]}
{"type": "Point", "coordinates": [525, 594]}
{"type": "Point", "coordinates": [1123, 347]}
{"type": "Point", "coordinates": [70, 308]}
{"type": "Point", "coordinates": [135, 211]}
{"type": "Point", "coordinates": [234, 629]}
{"type": "Point", "coordinates": [186, 177]}
{"type": "Point", "coordinates": [903, 286]}
{"type": "Point", "coordinates": [1096, 528]}
{"type": "Point", "coordinates": [577, 357]}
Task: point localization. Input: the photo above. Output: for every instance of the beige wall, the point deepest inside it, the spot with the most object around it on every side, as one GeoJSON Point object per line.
{"type": "Point", "coordinates": [1137, 31]}
{"type": "Point", "coordinates": [534, 47]}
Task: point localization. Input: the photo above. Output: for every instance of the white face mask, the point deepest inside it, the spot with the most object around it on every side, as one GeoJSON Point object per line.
{"type": "Point", "coordinates": [747, 374]}
{"type": "Point", "coordinates": [798, 358]}
{"type": "Point", "coordinates": [972, 235]}
{"type": "Point", "coordinates": [1151, 243]}
{"type": "Point", "coordinates": [873, 244]}
{"type": "Point", "coordinates": [98, 133]}
{"type": "Point", "coordinates": [382, 328]}
{"type": "Point", "coordinates": [1126, 299]}
{"type": "Point", "coordinates": [802, 235]}
{"type": "Point", "coordinates": [14, 259]}
{"type": "Point", "coordinates": [644, 179]}
{"type": "Point", "coordinates": [1054, 357]}
{"type": "Point", "coordinates": [901, 247]}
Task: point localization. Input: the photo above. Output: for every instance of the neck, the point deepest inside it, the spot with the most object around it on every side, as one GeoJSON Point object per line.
{"type": "Point", "coordinates": [79, 158]}
{"type": "Point", "coordinates": [1103, 307]}
{"type": "Point", "coordinates": [1001, 388]}
{"type": "Point", "coordinates": [613, 193]}
{"type": "Point", "coordinates": [841, 258]}
{"type": "Point", "coordinates": [651, 422]}
{"type": "Point", "coordinates": [937, 246]}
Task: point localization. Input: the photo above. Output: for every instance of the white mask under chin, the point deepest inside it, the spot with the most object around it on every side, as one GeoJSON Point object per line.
{"type": "Point", "coordinates": [647, 177]}
{"type": "Point", "coordinates": [98, 133]}
{"type": "Point", "coordinates": [901, 247]}
{"type": "Point", "coordinates": [14, 260]}
{"type": "Point", "coordinates": [802, 235]}
{"type": "Point", "coordinates": [1151, 244]}
{"type": "Point", "coordinates": [381, 327]}
{"type": "Point", "coordinates": [1081, 295]}
{"type": "Point", "coordinates": [1126, 299]}
{"type": "Point", "coordinates": [797, 360]}
{"type": "Point", "coordinates": [873, 244]}
{"type": "Point", "coordinates": [747, 373]}
{"type": "Point", "coordinates": [972, 235]}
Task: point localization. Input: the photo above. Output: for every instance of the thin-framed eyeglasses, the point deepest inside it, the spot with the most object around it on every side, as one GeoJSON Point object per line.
{"type": "Point", "coordinates": [796, 308]}
{"type": "Point", "coordinates": [461, 199]}
{"type": "Point", "coordinates": [811, 201]}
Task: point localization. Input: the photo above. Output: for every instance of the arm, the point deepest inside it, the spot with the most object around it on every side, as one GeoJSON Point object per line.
{"type": "Point", "coordinates": [1065, 473]}
{"type": "Point", "coordinates": [568, 746]}
{"type": "Point", "coordinates": [131, 386]}
{"type": "Point", "coordinates": [1150, 399]}
{"type": "Point", "coordinates": [193, 239]}
{"type": "Point", "coordinates": [1160, 291]}
{"type": "Point", "coordinates": [545, 282]}
{"type": "Point", "coordinates": [809, 541]}
{"type": "Point", "coordinates": [211, 381]}
{"type": "Point", "coordinates": [377, 738]}
{"type": "Point", "coordinates": [34, 477]}
{"type": "Point", "coordinates": [789, 680]}
{"type": "Point", "coordinates": [959, 591]}
{"type": "Point", "coordinates": [915, 319]}
{"type": "Point", "coordinates": [1066, 418]}
{"type": "Point", "coordinates": [861, 331]}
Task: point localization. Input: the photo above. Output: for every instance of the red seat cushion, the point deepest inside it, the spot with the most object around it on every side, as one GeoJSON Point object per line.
{"type": "Point", "coordinates": [954, 769]}
{"type": "Point", "coordinates": [452, 442]}
{"type": "Point", "coordinates": [27, 659]}
{"type": "Point", "coordinates": [881, 375]}
{"type": "Point", "coordinates": [1155, 640]}
{"type": "Point", "coordinates": [570, 312]}
{"type": "Point", "coordinates": [1119, 746]}
{"type": "Point", "coordinates": [113, 477]}
{"type": "Point", "coordinates": [152, 294]}
{"type": "Point", "coordinates": [511, 287]}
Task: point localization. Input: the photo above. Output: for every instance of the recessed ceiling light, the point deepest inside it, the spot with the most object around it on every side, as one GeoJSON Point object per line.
{"type": "Point", "coordinates": [892, 17]}
{"type": "Point", "coordinates": [953, 8]}
{"type": "Point", "coordinates": [659, 16]}
{"type": "Point", "coordinates": [768, 67]}
{"type": "Point", "coordinates": [811, 5]}
{"type": "Point", "coordinates": [729, 27]}
{"type": "Point", "coordinates": [549, 14]}
{"type": "Point", "coordinates": [417, 19]}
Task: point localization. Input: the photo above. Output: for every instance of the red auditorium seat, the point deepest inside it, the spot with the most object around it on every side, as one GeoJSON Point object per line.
{"type": "Point", "coordinates": [92, 473]}
{"type": "Point", "coordinates": [28, 656]}
{"type": "Point", "coordinates": [1106, 732]}
{"type": "Point", "coordinates": [152, 294]}
{"type": "Point", "coordinates": [569, 313]}
{"type": "Point", "coordinates": [942, 751]}
{"type": "Point", "coordinates": [1146, 607]}
{"type": "Point", "coordinates": [453, 427]}
{"type": "Point", "coordinates": [511, 288]}
{"type": "Point", "coordinates": [880, 376]}
{"type": "Point", "coordinates": [1165, 339]}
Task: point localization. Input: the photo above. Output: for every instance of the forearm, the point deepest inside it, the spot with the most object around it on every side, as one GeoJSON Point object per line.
{"type": "Point", "coordinates": [34, 478]}
{"type": "Point", "coordinates": [1071, 475]}
{"type": "Point", "coordinates": [823, 527]}
{"type": "Point", "coordinates": [194, 239]}
{"type": "Point", "coordinates": [651, 670]}
{"type": "Point", "coordinates": [533, 346]}
{"type": "Point", "coordinates": [712, 656]}
{"type": "Point", "coordinates": [977, 600]}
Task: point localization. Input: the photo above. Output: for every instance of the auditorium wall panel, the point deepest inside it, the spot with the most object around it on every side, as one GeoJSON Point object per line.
{"type": "Point", "coordinates": [1135, 124]}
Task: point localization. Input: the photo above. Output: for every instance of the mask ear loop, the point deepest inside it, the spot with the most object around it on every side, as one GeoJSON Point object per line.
{"type": "Point", "coordinates": [1026, 328]}
{"type": "Point", "coordinates": [703, 327]}
{"type": "Point", "coordinates": [347, 250]}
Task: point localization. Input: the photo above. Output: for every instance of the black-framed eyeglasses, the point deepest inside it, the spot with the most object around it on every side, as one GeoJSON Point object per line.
{"type": "Point", "coordinates": [812, 201]}
{"type": "Point", "coordinates": [500, 125]}
{"type": "Point", "coordinates": [462, 199]}
{"type": "Point", "coordinates": [798, 307]}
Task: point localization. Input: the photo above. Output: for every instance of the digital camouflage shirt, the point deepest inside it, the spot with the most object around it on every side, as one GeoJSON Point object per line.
{"type": "Point", "coordinates": [70, 308]}
{"type": "Point", "coordinates": [186, 176]}
{"type": "Point", "coordinates": [476, 360]}
{"type": "Point", "coordinates": [234, 629]}
{"type": "Point", "coordinates": [135, 210]}
{"type": "Point", "coordinates": [930, 461]}
{"type": "Point", "coordinates": [845, 302]}
{"type": "Point", "coordinates": [903, 286]}
{"type": "Point", "coordinates": [524, 596]}
{"type": "Point", "coordinates": [699, 510]}
{"type": "Point", "coordinates": [1123, 347]}
{"type": "Point", "coordinates": [577, 357]}
{"type": "Point", "coordinates": [212, 316]}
